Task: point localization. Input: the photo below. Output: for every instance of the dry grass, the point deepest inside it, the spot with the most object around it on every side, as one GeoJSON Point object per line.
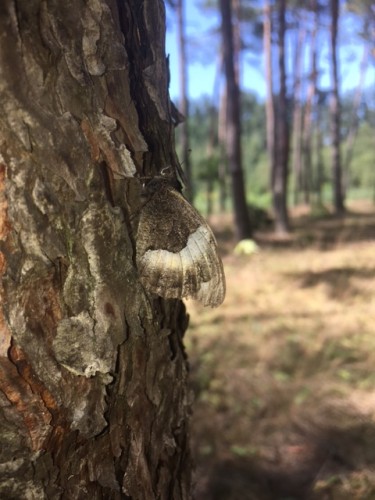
{"type": "Point", "coordinates": [284, 370]}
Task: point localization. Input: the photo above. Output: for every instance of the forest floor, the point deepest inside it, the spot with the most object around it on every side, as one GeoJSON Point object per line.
{"type": "Point", "coordinates": [283, 372]}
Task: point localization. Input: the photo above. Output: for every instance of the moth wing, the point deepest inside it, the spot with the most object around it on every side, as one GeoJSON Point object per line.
{"type": "Point", "coordinates": [190, 283]}
{"type": "Point", "coordinates": [208, 267]}
{"type": "Point", "coordinates": [203, 270]}
{"type": "Point", "coordinates": [160, 273]}
{"type": "Point", "coordinates": [195, 269]}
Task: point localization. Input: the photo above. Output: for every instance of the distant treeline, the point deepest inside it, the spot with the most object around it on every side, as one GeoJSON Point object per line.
{"type": "Point", "coordinates": [306, 143]}
{"type": "Point", "coordinates": [208, 165]}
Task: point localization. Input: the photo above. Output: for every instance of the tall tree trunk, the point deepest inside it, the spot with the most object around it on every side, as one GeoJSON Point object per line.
{"type": "Point", "coordinates": [311, 92]}
{"type": "Point", "coordinates": [236, 6]}
{"type": "Point", "coordinates": [87, 406]}
{"type": "Point", "coordinates": [233, 129]}
{"type": "Point", "coordinates": [184, 100]}
{"type": "Point", "coordinates": [338, 196]}
{"type": "Point", "coordinates": [270, 107]}
{"type": "Point", "coordinates": [297, 131]}
{"type": "Point", "coordinates": [223, 171]}
{"type": "Point", "coordinates": [209, 193]}
{"type": "Point", "coordinates": [353, 127]}
{"type": "Point", "coordinates": [319, 158]}
{"type": "Point", "coordinates": [280, 177]}
{"type": "Point", "coordinates": [212, 144]}
{"type": "Point", "coordinates": [219, 119]}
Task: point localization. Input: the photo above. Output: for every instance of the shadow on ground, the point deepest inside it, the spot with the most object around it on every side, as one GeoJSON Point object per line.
{"type": "Point", "coordinates": [315, 456]}
{"type": "Point", "coordinates": [283, 373]}
{"type": "Point", "coordinates": [324, 233]}
{"type": "Point", "coordinates": [338, 281]}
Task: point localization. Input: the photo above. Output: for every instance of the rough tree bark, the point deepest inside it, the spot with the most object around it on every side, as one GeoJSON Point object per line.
{"type": "Point", "coordinates": [233, 126]}
{"type": "Point", "coordinates": [93, 375]}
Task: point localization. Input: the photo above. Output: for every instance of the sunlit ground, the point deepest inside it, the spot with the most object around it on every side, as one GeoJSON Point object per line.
{"type": "Point", "coordinates": [284, 371]}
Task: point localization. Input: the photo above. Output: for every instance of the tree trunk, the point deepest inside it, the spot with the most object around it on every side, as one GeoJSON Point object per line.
{"type": "Point", "coordinates": [233, 129]}
{"type": "Point", "coordinates": [319, 181]}
{"type": "Point", "coordinates": [236, 8]}
{"type": "Point", "coordinates": [184, 100]}
{"type": "Point", "coordinates": [297, 114]}
{"type": "Point", "coordinates": [270, 107]}
{"type": "Point", "coordinates": [311, 92]}
{"type": "Point", "coordinates": [212, 144]}
{"type": "Point", "coordinates": [218, 118]}
{"type": "Point", "coordinates": [338, 196]}
{"type": "Point", "coordinates": [280, 177]}
{"type": "Point", "coordinates": [209, 196]}
{"type": "Point", "coordinates": [221, 132]}
{"type": "Point", "coordinates": [353, 127]}
{"type": "Point", "coordinates": [93, 375]}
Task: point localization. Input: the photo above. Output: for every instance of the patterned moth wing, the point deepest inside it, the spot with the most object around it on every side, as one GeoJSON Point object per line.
{"type": "Point", "coordinates": [177, 253]}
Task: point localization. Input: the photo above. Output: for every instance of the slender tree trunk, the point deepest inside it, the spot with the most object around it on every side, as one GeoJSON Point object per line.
{"type": "Point", "coordinates": [93, 375]}
{"type": "Point", "coordinates": [336, 113]}
{"type": "Point", "coordinates": [353, 128]}
{"type": "Point", "coordinates": [319, 160]}
{"type": "Point", "coordinates": [233, 129]}
{"type": "Point", "coordinates": [209, 193]}
{"type": "Point", "coordinates": [216, 138]}
{"type": "Point", "coordinates": [311, 92]}
{"type": "Point", "coordinates": [297, 131]}
{"type": "Point", "coordinates": [184, 100]}
{"type": "Point", "coordinates": [223, 171]}
{"type": "Point", "coordinates": [280, 177]}
{"type": "Point", "coordinates": [219, 118]}
{"type": "Point", "coordinates": [212, 145]}
{"type": "Point", "coordinates": [236, 6]}
{"type": "Point", "coordinates": [270, 107]}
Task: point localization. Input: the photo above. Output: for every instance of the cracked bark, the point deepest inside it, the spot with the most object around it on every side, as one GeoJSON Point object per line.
{"type": "Point", "coordinates": [93, 376]}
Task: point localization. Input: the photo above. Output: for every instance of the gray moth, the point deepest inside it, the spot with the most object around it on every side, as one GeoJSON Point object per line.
{"type": "Point", "coordinates": [176, 251]}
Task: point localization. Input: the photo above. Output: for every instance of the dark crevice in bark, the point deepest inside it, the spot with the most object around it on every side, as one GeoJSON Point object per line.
{"type": "Point", "coordinates": [104, 170]}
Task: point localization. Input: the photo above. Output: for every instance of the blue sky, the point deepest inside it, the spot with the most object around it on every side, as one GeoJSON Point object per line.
{"type": "Point", "coordinates": [203, 50]}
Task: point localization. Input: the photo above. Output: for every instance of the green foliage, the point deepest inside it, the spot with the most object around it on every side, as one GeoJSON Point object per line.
{"type": "Point", "coordinates": [362, 167]}
{"type": "Point", "coordinates": [208, 167]}
{"type": "Point", "coordinates": [207, 153]}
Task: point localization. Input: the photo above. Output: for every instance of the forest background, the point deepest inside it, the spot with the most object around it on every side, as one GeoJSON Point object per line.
{"type": "Point", "coordinates": [282, 372]}
{"type": "Point", "coordinates": [309, 84]}
{"type": "Point", "coordinates": [105, 390]}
